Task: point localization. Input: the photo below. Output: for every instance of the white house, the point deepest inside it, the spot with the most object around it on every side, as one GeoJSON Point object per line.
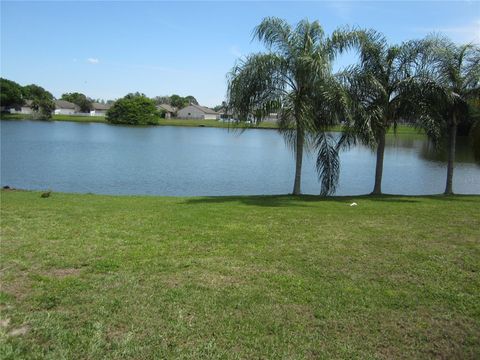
{"type": "Point", "coordinates": [24, 109]}
{"type": "Point", "coordinates": [63, 107]}
{"type": "Point", "coordinates": [99, 109]}
{"type": "Point", "coordinates": [169, 110]}
{"type": "Point", "coordinates": [197, 112]}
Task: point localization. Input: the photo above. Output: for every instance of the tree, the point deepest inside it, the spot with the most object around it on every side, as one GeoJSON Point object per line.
{"type": "Point", "coordinates": [293, 79]}
{"type": "Point", "coordinates": [178, 101]}
{"type": "Point", "coordinates": [79, 99]}
{"type": "Point", "coordinates": [42, 100]}
{"type": "Point", "coordinates": [191, 100]}
{"type": "Point", "coordinates": [133, 109]}
{"type": "Point", "coordinates": [10, 94]}
{"type": "Point", "coordinates": [453, 92]}
{"type": "Point", "coordinates": [381, 87]}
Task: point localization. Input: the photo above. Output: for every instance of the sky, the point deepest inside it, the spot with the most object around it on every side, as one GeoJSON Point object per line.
{"type": "Point", "coordinates": [108, 49]}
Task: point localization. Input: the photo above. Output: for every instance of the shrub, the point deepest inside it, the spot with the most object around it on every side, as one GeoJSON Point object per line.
{"type": "Point", "coordinates": [133, 109]}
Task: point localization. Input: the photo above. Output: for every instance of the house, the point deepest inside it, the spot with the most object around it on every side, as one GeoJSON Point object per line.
{"type": "Point", "coordinates": [63, 107]}
{"type": "Point", "coordinates": [99, 109]}
{"type": "Point", "coordinates": [24, 109]}
{"type": "Point", "coordinates": [170, 111]}
{"type": "Point", "coordinates": [198, 112]}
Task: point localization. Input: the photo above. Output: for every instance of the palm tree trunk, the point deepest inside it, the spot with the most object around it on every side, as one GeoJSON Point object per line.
{"type": "Point", "coordinates": [298, 161]}
{"type": "Point", "coordinates": [451, 156]}
{"type": "Point", "coordinates": [377, 189]}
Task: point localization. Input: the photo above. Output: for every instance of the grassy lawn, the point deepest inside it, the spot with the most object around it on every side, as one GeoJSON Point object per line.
{"type": "Point", "coordinates": [402, 129]}
{"type": "Point", "coordinates": [104, 277]}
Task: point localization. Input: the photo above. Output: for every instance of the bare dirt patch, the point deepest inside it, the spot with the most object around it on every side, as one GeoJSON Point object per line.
{"type": "Point", "coordinates": [60, 273]}
{"type": "Point", "coordinates": [19, 331]}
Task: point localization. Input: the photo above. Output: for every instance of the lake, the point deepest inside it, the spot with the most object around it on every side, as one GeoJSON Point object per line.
{"type": "Point", "coordinates": [186, 161]}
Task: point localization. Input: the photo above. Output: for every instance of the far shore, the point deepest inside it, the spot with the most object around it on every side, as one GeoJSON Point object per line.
{"type": "Point", "coordinates": [401, 129]}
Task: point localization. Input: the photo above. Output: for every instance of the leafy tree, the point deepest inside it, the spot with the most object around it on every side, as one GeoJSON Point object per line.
{"type": "Point", "coordinates": [381, 88]}
{"type": "Point", "coordinates": [162, 100]}
{"type": "Point", "coordinates": [36, 92]}
{"type": "Point", "coordinates": [79, 99]}
{"type": "Point", "coordinates": [452, 93]}
{"type": "Point", "coordinates": [42, 100]}
{"type": "Point", "coordinates": [191, 100]}
{"type": "Point", "coordinates": [293, 79]}
{"type": "Point", "coordinates": [43, 108]}
{"type": "Point", "coordinates": [178, 101]}
{"type": "Point", "coordinates": [133, 109]}
{"type": "Point", "coordinates": [10, 94]}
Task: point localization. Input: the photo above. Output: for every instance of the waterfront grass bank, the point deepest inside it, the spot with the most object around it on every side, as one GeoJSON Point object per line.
{"type": "Point", "coordinates": [97, 277]}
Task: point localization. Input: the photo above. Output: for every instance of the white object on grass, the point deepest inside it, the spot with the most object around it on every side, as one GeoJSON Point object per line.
{"type": "Point", "coordinates": [353, 204]}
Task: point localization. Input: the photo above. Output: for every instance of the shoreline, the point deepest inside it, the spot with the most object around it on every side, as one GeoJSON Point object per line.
{"type": "Point", "coordinates": [308, 197]}
{"type": "Point", "coordinates": [401, 129]}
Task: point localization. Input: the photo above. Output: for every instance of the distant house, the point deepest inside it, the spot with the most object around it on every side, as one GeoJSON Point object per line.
{"type": "Point", "coordinates": [169, 110]}
{"type": "Point", "coordinates": [99, 109]}
{"type": "Point", "coordinates": [24, 109]}
{"type": "Point", "coordinates": [197, 112]}
{"type": "Point", "coordinates": [63, 107]}
{"type": "Point", "coordinates": [272, 117]}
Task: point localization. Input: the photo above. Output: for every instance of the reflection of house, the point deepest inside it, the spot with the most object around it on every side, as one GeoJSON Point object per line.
{"type": "Point", "coordinates": [63, 107]}
{"type": "Point", "coordinates": [193, 111]}
{"type": "Point", "coordinates": [99, 109]}
{"type": "Point", "coordinates": [24, 109]}
{"type": "Point", "coordinates": [169, 111]}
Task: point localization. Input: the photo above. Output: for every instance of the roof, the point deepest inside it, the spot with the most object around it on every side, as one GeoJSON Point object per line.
{"type": "Point", "coordinates": [28, 103]}
{"type": "Point", "coordinates": [167, 108]}
{"type": "Point", "coordinates": [63, 104]}
{"type": "Point", "coordinates": [98, 106]}
{"type": "Point", "coordinates": [204, 109]}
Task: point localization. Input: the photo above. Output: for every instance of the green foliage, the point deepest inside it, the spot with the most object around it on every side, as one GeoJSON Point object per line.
{"type": "Point", "coordinates": [133, 109]}
{"type": "Point", "coordinates": [79, 99]}
{"type": "Point", "coordinates": [43, 108]}
{"type": "Point", "coordinates": [178, 101]}
{"type": "Point", "coordinates": [33, 91]}
{"type": "Point", "coordinates": [10, 94]}
{"type": "Point", "coordinates": [42, 101]}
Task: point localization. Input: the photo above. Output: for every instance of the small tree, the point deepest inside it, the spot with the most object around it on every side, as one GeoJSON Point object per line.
{"type": "Point", "coordinates": [79, 99]}
{"type": "Point", "coordinates": [134, 109]}
{"type": "Point", "coordinates": [42, 100]}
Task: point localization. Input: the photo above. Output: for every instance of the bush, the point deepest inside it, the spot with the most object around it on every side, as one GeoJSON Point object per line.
{"type": "Point", "coordinates": [133, 109]}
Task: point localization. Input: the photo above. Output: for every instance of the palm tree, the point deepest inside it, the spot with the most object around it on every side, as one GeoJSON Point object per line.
{"type": "Point", "coordinates": [453, 80]}
{"type": "Point", "coordinates": [382, 88]}
{"type": "Point", "coordinates": [293, 79]}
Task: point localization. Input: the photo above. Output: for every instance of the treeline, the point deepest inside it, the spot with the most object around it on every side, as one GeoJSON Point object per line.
{"type": "Point", "coordinates": [431, 83]}
{"type": "Point", "coordinates": [134, 108]}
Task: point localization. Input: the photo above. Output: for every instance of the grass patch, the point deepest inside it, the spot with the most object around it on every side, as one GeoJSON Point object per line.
{"type": "Point", "coordinates": [239, 277]}
{"type": "Point", "coordinates": [402, 129]}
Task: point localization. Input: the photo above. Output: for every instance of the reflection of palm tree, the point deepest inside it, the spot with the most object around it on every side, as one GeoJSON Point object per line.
{"type": "Point", "coordinates": [453, 80]}
{"type": "Point", "coordinates": [293, 79]}
{"type": "Point", "coordinates": [380, 88]}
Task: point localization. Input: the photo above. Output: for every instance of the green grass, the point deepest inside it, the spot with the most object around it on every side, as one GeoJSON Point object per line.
{"type": "Point", "coordinates": [105, 277]}
{"type": "Point", "coordinates": [402, 129]}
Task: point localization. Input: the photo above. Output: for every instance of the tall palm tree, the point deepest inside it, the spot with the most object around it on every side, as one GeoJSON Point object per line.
{"type": "Point", "coordinates": [293, 79]}
{"type": "Point", "coordinates": [381, 87]}
{"type": "Point", "coordinates": [453, 80]}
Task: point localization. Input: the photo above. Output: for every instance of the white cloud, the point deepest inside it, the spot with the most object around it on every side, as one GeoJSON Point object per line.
{"type": "Point", "coordinates": [93, 60]}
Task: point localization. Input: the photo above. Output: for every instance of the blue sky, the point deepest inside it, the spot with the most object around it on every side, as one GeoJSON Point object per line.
{"type": "Point", "coordinates": [107, 49]}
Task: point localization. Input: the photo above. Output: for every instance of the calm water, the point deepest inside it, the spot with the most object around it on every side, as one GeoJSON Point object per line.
{"type": "Point", "coordinates": [105, 159]}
